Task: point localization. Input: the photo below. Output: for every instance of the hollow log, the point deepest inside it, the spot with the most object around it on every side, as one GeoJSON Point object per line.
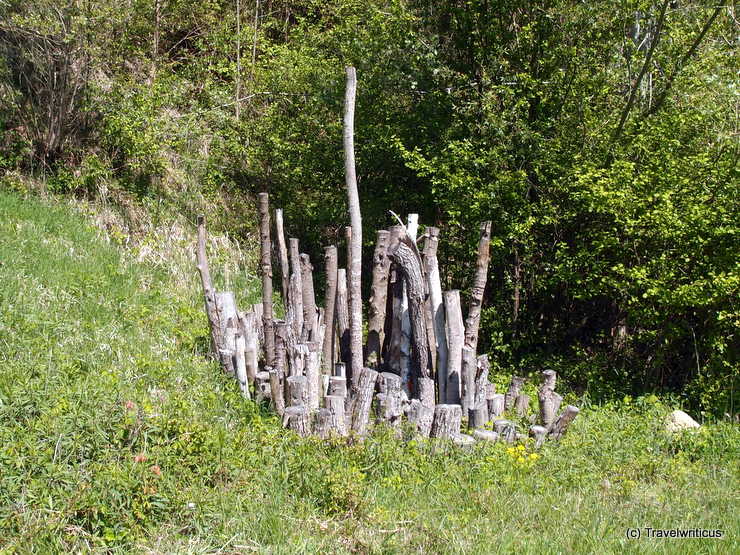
{"type": "Point", "coordinates": [447, 421]}
{"type": "Point", "coordinates": [479, 285]}
{"type": "Point", "coordinates": [455, 338]}
{"type": "Point", "coordinates": [328, 349]}
{"type": "Point", "coordinates": [405, 254]}
{"type": "Point", "coordinates": [378, 294]}
{"type": "Point", "coordinates": [283, 256]}
{"type": "Point", "coordinates": [266, 269]}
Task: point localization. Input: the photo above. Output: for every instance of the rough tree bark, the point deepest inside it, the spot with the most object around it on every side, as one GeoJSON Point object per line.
{"type": "Point", "coordinates": [447, 420]}
{"type": "Point", "coordinates": [266, 267]}
{"type": "Point", "coordinates": [310, 314]}
{"type": "Point", "coordinates": [208, 292]}
{"type": "Point", "coordinates": [296, 289]}
{"type": "Point", "coordinates": [342, 320]}
{"type": "Point", "coordinates": [378, 293]}
{"type": "Point", "coordinates": [362, 400]}
{"type": "Point", "coordinates": [327, 359]}
{"type": "Point", "coordinates": [405, 254]}
{"type": "Point", "coordinates": [353, 200]}
{"type": "Point", "coordinates": [479, 285]}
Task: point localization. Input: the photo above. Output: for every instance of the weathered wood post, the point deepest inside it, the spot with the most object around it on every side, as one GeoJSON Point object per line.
{"type": "Point", "coordinates": [521, 405]}
{"type": "Point", "coordinates": [266, 267]}
{"type": "Point", "coordinates": [297, 390]}
{"type": "Point", "coordinates": [277, 391]}
{"type": "Point", "coordinates": [209, 292]}
{"type": "Point", "coordinates": [539, 433]}
{"type": "Point", "coordinates": [405, 254]}
{"type": "Point", "coordinates": [310, 315]}
{"type": "Point", "coordinates": [283, 252]}
{"type": "Point", "coordinates": [342, 319]}
{"type": "Point", "coordinates": [327, 357]}
{"type": "Point", "coordinates": [467, 377]}
{"type": "Point", "coordinates": [248, 323]}
{"type": "Point", "coordinates": [561, 424]}
{"type": "Point", "coordinates": [296, 289]}
{"type": "Point", "coordinates": [430, 247]}
{"type": "Point", "coordinates": [362, 400]}
{"type": "Point", "coordinates": [378, 293]}
{"type": "Point", "coordinates": [479, 285]}
{"type": "Point", "coordinates": [353, 200]}
{"type": "Point", "coordinates": [455, 338]}
{"type": "Point", "coordinates": [515, 387]}
{"type": "Point", "coordinates": [549, 400]}
{"type": "Point", "coordinates": [447, 421]}
{"type": "Point", "coordinates": [335, 405]}
{"type": "Point", "coordinates": [228, 321]}
{"type": "Point", "coordinates": [298, 419]}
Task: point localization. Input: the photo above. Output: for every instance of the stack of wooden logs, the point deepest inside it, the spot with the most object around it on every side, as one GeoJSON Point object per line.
{"type": "Point", "coordinates": [420, 361]}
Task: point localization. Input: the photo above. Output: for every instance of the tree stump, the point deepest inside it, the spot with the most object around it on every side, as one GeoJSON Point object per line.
{"type": "Point", "coordinates": [335, 405]}
{"type": "Point", "coordinates": [455, 337]}
{"type": "Point", "coordinates": [515, 387]}
{"type": "Point", "coordinates": [363, 400]}
{"type": "Point", "coordinates": [561, 424]}
{"type": "Point", "coordinates": [447, 421]}
{"type": "Point", "coordinates": [298, 419]}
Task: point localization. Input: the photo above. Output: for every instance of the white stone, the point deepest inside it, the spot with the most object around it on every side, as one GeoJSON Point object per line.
{"type": "Point", "coordinates": [678, 420]}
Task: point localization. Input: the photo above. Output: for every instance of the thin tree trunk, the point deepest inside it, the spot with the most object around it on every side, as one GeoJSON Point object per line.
{"type": "Point", "coordinates": [438, 313]}
{"type": "Point", "coordinates": [283, 252]}
{"type": "Point", "coordinates": [266, 266]}
{"type": "Point", "coordinates": [479, 285]}
{"type": "Point", "coordinates": [330, 259]}
{"type": "Point", "coordinates": [353, 201]}
{"type": "Point", "coordinates": [342, 321]}
{"type": "Point", "coordinates": [238, 84]}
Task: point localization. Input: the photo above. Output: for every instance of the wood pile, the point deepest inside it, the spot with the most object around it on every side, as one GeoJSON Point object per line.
{"type": "Point", "coordinates": [419, 362]}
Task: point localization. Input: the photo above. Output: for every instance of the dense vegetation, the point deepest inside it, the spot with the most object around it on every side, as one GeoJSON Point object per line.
{"type": "Point", "coordinates": [117, 435]}
{"type": "Point", "coordinates": [600, 137]}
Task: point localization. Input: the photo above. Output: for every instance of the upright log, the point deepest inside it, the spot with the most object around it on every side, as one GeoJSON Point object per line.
{"type": "Point", "coordinates": [362, 400]}
{"type": "Point", "coordinates": [310, 314]}
{"type": "Point", "coordinates": [342, 320]}
{"type": "Point", "coordinates": [378, 294]}
{"type": "Point", "coordinates": [297, 391]}
{"type": "Point", "coordinates": [467, 377]}
{"type": "Point", "coordinates": [421, 416]}
{"type": "Point", "coordinates": [327, 357]}
{"type": "Point", "coordinates": [496, 405]}
{"type": "Point", "coordinates": [277, 391]}
{"type": "Point", "coordinates": [479, 285]}
{"type": "Point", "coordinates": [298, 419]}
{"type": "Point", "coordinates": [283, 252]}
{"type": "Point", "coordinates": [481, 382]}
{"type": "Point", "coordinates": [561, 424]}
{"type": "Point", "coordinates": [266, 268]}
{"type": "Point", "coordinates": [521, 405]}
{"type": "Point", "coordinates": [455, 338]}
{"type": "Point", "coordinates": [209, 293]}
{"type": "Point", "coordinates": [447, 421]}
{"type": "Point", "coordinates": [515, 387]}
{"type": "Point", "coordinates": [228, 320]}
{"type": "Point", "coordinates": [353, 200]}
{"type": "Point", "coordinates": [430, 248]}
{"type": "Point", "coordinates": [338, 386]}
{"type": "Point", "coordinates": [249, 329]}
{"type": "Point", "coordinates": [335, 405]}
{"type": "Point", "coordinates": [539, 433]}
{"type": "Point", "coordinates": [313, 375]}
{"type": "Point", "coordinates": [549, 401]}
{"type": "Point", "coordinates": [405, 254]}
{"type": "Point", "coordinates": [436, 302]}
{"type": "Point", "coordinates": [296, 288]}
{"type": "Point", "coordinates": [389, 399]}
{"type": "Point", "coordinates": [240, 362]}
{"type": "Point", "coordinates": [281, 346]}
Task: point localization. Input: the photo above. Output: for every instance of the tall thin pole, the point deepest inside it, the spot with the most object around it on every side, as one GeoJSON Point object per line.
{"type": "Point", "coordinates": [353, 199]}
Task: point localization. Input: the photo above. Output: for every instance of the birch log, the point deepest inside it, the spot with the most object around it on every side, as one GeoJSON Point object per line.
{"type": "Point", "coordinates": [283, 252]}
{"type": "Point", "coordinates": [266, 268]}
{"type": "Point", "coordinates": [455, 338]}
{"type": "Point", "coordinates": [377, 304]}
{"type": "Point", "coordinates": [327, 357]}
{"type": "Point", "coordinates": [362, 400]}
{"type": "Point", "coordinates": [479, 285]}
{"type": "Point", "coordinates": [296, 289]}
{"type": "Point", "coordinates": [353, 201]}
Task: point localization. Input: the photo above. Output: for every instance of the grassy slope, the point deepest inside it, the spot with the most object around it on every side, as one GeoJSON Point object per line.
{"type": "Point", "coordinates": [115, 433]}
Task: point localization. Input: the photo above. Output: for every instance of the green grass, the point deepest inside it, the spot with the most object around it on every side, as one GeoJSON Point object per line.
{"type": "Point", "coordinates": [116, 435]}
